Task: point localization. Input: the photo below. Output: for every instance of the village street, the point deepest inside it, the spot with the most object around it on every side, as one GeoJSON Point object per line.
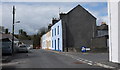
{"type": "Point", "coordinates": [73, 35]}
{"type": "Point", "coordinates": [39, 58]}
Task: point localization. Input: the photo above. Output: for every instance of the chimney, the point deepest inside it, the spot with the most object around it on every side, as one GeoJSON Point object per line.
{"type": "Point", "coordinates": [62, 15]}
{"type": "Point", "coordinates": [49, 26]}
{"type": "Point", "coordinates": [54, 20]}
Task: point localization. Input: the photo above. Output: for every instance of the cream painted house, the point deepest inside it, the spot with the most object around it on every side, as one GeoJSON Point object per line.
{"type": "Point", "coordinates": [43, 42]}
{"type": "Point", "coordinates": [46, 40]}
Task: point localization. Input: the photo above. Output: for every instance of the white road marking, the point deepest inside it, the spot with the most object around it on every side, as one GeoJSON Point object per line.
{"type": "Point", "coordinates": [89, 62]}
{"type": "Point", "coordinates": [12, 63]}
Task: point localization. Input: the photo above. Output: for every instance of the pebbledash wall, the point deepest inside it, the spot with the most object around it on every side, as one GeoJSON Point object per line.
{"type": "Point", "coordinates": [56, 36]}
{"type": "Point", "coordinates": [43, 42]}
{"type": "Point", "coordinates": [114, 48]}
{"type": "Point", "coordinates": [46, 40]}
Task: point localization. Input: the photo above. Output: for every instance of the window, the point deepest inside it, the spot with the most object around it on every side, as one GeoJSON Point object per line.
{"type": "Point", "coordinates": [58, 43]}
{"type": "Point", "coordinates": [52, 32]}
{"type": "Point", "coordinates": [55, 31]}
{"type": "Point", "coordinates": [55, 44]}
{"type": "Point", "coordinates": [58, 30]}
{"type": "Point", "coordinates": [52, 43]}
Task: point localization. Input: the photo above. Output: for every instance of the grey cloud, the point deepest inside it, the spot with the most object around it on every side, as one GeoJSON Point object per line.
{"type": "Point", "coordinates": [35, 15]}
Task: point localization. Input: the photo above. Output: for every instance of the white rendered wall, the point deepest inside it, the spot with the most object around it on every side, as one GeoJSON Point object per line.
{"type": "Point", "coordinates": [48, 38]}
{"type": "Point", "coordinates": [55, 37]}
{"type": "Point", "coordinates": [119, 32]}
{"type": "Point", "coordinates": [113, 32]}
{"type": "Point", "coordinates": [43, 42]}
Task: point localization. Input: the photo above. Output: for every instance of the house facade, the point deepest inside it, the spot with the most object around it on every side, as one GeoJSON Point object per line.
{"type": "Point", "coordinates": [72, 30]}
{"type": "Point", "coordinates": [114, 27]}
{"type": "Point", "coordinates": [56, 36]}
{"type": "Point", "coordinates": [43, 42]}
{"type": "Point", "coordinates": [48, 40]}
{"type": "Point", "coordinates": [102, 30]}
{"type": "Point", "coordinates": [101, 42]}
{"type": "Point", "coordinates": [78, 29]}
{"type": "Point", "coordinates": [9, 36]}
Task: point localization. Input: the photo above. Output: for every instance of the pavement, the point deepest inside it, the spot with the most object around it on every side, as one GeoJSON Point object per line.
{"type": "Point", "coordinates": [6, 59]}
{"type": "Point", "coordinates": [95, 59]}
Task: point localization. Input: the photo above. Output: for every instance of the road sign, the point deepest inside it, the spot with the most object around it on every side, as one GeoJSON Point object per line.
{"type": "Point", "coordinates": [83, 49]}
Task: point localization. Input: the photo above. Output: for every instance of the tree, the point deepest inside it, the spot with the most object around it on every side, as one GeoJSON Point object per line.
{"type": "Point", "coordinates": [20, 31]}
{"type": "Point", "coordinates": [23, 35]}
{"type": "Point", "coordinates": [42, 31]}
{"type": "Point", "coordinates": [6, 31]}
{"type": "Point", "coordinates": [36, 37]}
{"type": "Point", "coordinates": [36, 41]}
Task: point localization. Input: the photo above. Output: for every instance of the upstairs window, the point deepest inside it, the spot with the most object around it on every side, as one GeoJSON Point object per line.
{"type": "Point", "coordinates": [58, 30]}
{"type": "Point", "coordinates": [55, 31]}
{"type": "Point", "coordinates": [52, 43]}
{"type": "Point", "coordinates": [52, 32]}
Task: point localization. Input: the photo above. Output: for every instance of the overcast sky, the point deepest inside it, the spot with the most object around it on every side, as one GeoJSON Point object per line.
{"type": "Point", "coordinates": [34, 15]}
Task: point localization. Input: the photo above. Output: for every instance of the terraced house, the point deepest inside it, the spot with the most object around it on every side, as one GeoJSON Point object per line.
{"type": "Point", "coordinates": [46, 40]}
{"type": "Point", "coordinates": [56, 34]}
{"type": "Point", "coordinates": [73, 30]}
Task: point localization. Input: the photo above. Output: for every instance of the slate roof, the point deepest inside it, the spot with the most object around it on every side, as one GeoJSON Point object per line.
{"type": "Point", "coordinates": [3, 36]}
{"type": "Point", "coordinates": [102, 27]}
{"type": "Point", "coordinates": [79, 6]}
{"type": "Point", "coordinates": [28, 42]}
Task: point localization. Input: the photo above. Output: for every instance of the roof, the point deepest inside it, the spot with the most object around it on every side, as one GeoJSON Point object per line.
{"type": "Point", "coordinates": [3, 36]}
{"type": "Point", "coordinates": [5, 40]}
{"type": "Point", "coordinates": [102, 27]}
{"type": "Point", "coordinates": [28, 42]}
{"type": "Point", "coordinates": [79, 6]}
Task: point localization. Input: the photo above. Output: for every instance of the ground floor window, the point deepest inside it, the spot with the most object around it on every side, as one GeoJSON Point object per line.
{"type": "Point", "coordinates": [58, 43]}
{"type": "Point", "coordinates": [55, 44]}
{"type": "Point", "coordinates": [52, 43]}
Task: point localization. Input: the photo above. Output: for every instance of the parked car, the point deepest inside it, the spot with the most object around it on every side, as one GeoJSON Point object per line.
{"type": "Point", "coordinates": [7, 48]}
{"type": "Point", "coordinates": [23, 48]}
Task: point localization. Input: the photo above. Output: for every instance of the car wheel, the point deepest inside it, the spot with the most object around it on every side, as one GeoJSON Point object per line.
{"type": "Point", "coordinates": [26, 51]}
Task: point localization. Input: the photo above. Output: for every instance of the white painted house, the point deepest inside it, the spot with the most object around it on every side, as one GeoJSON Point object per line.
{"type": "Point", "coordinates": [56, 35]}
{"type": "Point", "coordinates": [114, 15]}
{"type": "Point", "coordinates": [43, 42]}
{"type": "Point", "coordinates": [48, 40]}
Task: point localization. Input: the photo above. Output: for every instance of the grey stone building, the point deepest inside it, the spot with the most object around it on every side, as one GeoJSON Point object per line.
{"type": "Point", "coordinates": [102, 30]}
{"type": "Point", "coordinates": [101, 42]}
{"type": "Point", "coordinates": [78, 28]}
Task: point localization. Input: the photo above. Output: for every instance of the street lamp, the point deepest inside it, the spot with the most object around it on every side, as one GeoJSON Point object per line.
{"type": "Point", "coordinates": [13, 29]}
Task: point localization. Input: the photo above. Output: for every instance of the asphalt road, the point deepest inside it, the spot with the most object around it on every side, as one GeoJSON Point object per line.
{"type": "Point", "coordinates": [38, 58]}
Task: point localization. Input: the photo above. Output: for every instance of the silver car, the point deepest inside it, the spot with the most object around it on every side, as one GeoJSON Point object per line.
{"type": "Point", "coordinates": [23, 48]}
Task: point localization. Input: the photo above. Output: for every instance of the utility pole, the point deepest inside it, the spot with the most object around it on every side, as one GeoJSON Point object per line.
{"type": "Point", "coordinates": [13, 29]}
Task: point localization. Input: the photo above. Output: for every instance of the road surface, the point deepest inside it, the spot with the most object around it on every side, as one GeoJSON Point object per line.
{"type": "Point", "coordinates": [39, 58]}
